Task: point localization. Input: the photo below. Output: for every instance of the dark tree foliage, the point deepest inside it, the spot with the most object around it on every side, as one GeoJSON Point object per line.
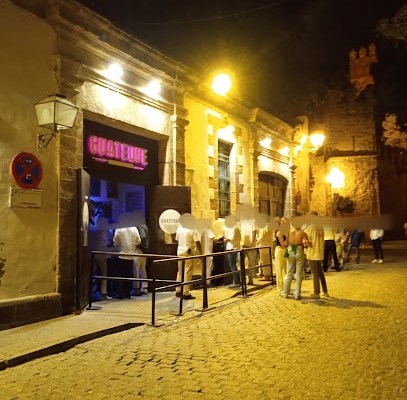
{"type": "Point", "coordinates": [390, 73]}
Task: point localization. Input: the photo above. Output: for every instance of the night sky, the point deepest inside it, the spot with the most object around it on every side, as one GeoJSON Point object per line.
{"type": "Point", "coordinates": [276, 50]}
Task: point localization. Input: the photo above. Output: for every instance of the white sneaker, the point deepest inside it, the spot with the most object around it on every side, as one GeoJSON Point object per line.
{"type": "Point", "coordinates": [314, 296]}
{"type": "Point", "coordinates": [326, 294]}
{"type": "Point", "coordinates": [374, 261]}
{"type": "Point", "coordinates": [380, 261]}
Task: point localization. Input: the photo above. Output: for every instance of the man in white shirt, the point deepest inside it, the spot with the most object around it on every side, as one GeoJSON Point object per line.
{"type": "Point", "coordinates": [232, 242]}
{"type": "Point", "coordinates": [330, 248]}
{"type": "Point", "coordinates": [249, 232]}
{"type": "Point", "coordinates": [188, 245]}
{"type": "Point", "coordinates": [376, 236]}
{"type": "Point", "coordinates": [127, 240]}
{"type": "Point", "coordinates": [207, 237]}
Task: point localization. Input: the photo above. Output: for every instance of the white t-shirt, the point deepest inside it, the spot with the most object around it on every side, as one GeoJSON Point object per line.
{"type": "Point", "coordinates": [127, 239]}
{"type": "Point", "coordinates": [232, 236]}
{"type": "Point", "coordinates": [207, 241]}
{"type": "Point", "coordinates": [186, 239]}
{"type": "Point", "coordinates": [248, 229]}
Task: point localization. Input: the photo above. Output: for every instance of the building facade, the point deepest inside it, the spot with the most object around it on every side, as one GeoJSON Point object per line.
{"type": "Point", "coordinates": [373, 173]}
{"type": "Point", "coordinates": [131, 149]}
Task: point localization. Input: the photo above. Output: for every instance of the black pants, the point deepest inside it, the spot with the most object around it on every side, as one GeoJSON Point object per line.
{"type": "Point", "coordinates": [378, 250]}
{"type": "Point", "coordinates": [330, 248]}
{"type": "Point", "coordinates": [125, 270]}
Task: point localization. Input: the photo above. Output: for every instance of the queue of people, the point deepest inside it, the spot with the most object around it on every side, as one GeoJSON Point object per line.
{"type": "Point", "coordinates": [287, 249]}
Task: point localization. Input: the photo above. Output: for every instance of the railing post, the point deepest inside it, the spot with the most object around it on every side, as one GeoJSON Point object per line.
{"type": "Point", "coordinates": [243, 273]}
{"type": "Point", "coordinates": [271, 264]}
{"type": "Point", "coordinates": [153, 271]}
{"type": "Point", "coordinates": [204, 284]}
{"type": "Point", "coordinates": [182, 286]}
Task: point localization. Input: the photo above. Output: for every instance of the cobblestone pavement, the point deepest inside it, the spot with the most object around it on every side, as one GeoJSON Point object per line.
{"type": "Point", "coordinates": [348, 346]}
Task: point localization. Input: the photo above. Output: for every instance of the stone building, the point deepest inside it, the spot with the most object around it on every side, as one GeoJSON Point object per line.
{"type": "Point", "coordinates": [182, 149]}
{"type": "Point", "coordinates": [374, 175]}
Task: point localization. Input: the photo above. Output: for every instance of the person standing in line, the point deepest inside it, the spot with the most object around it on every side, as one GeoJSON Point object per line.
{"type": "Point", "coordinates": [140, 271]}
{"type": "Point", "coordinates": [188, 245]}
{"type": "Point", "coordinates": [376, 236]}
{"type": "Point", "coordinates": [99, 241]}
{"type": "Point", "coordinates": [315, 257]}
{"type": "Point", "coordinates": [127, 239]}
{"type": "Point", "coordinates": [330, 248]}
{"type": "Point", "coordinates": [279, 260]}
{"type": "Point", "coordinates": [207, 237]}
{"type": "Point", "coordinates": [340, 239]}
{"type": "Point", "coordinates": [140, 263]}
{"type": "Point", "coordinates": [249, 233]}
{"type": "Point", "coordinates": [356, 239]}
{"type": "Point", "coordinates": [232, 242]}
{"type": "Point", "coordinates": [297, 238]}
{"type": "Point", "coordinates": [265, 238]}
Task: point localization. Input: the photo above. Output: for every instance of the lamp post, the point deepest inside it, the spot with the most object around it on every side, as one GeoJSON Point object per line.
{"type": "Point", "coordinates": [55, 112]}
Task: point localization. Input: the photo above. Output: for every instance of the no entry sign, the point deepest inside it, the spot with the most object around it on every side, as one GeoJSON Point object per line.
{"type": "Point", "coordinates": [26, 170]}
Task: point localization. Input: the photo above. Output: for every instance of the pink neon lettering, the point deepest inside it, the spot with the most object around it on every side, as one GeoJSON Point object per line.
{"type": "Point", "coordinates": [110, 149]}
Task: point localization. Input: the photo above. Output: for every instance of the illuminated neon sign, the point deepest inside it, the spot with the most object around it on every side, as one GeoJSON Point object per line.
{"type": "Point", "coordinates": [117, 153]}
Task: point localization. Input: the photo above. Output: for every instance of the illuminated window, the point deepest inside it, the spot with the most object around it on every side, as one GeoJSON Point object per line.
{"type": "Point", "coordinates": [224, 178]}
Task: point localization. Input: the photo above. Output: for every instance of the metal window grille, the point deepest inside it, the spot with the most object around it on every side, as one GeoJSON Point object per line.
{"type": "Point", "coordinates": [224, 179]}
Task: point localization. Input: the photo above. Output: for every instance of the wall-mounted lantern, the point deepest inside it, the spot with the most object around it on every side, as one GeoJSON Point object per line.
{"type": "Point", "coordinates": [54, 112]}
{"type": "Point", "coordinates": [317, 140]}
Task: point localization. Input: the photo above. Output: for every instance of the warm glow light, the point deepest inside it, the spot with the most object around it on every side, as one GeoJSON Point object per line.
{"type": "Point", "coordinates": [297, 149]}
{"type": "Point", "coordinates": [266, 143]}
{"type": "Point", "coordinates": [153, 89]}
{"type": "Point", "coordinates": [336, 178]}
{"type": "Point", "coordinates": [221, 84]}
{"type": "Point", "coordinates": [285, 151]}
{"type": "Point", "coordinates": [226, 133]}
{"type": "Point", "coordinates": [317, 140]}
{"type": "Point", "coordinates": [111, 99]}
{"type": "Point", "coordinates": [114, 72]}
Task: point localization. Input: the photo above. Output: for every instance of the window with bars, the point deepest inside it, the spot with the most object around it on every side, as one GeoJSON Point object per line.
{"type": "Point", "coordinates": [224, 178]}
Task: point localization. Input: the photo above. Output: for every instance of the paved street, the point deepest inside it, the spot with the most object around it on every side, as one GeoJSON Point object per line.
{"type": "Point", "coordinates": [348, 346]}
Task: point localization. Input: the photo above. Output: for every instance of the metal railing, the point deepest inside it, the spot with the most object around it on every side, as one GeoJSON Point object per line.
{"type": "Point", "coordinates": [158, 285]}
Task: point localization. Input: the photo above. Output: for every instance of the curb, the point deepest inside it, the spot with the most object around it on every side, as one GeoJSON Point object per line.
{"type": "Point", "coordinates": [64, 345]}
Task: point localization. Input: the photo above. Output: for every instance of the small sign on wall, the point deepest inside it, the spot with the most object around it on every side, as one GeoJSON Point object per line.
{"type": "Point", "coordinates": [25, 198]}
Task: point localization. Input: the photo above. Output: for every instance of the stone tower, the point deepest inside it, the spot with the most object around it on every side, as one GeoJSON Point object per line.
{"type": "Point", "coordinates": [359, 67]}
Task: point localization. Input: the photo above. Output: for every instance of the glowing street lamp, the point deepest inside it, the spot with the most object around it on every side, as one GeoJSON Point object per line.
{"type": "Point", "coordinates": [336, 178]}
{"type": "Point", "coordinates": [317, 140]}
{"type": "Point", "coordinates": [221, 84]}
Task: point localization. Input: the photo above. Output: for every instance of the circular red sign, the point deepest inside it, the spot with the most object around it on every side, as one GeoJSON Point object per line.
{"type": "Point", "coordinates": [26, 170]}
